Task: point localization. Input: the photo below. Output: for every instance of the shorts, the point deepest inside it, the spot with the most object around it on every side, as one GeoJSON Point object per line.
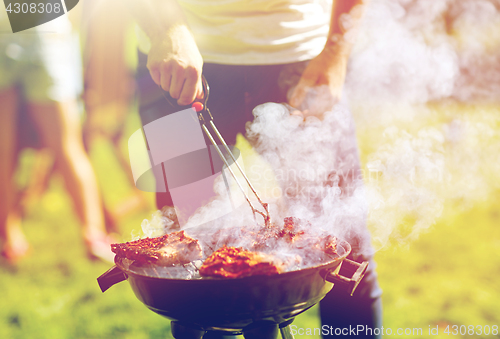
{"type": "Point", "coordinates": [44, 62]}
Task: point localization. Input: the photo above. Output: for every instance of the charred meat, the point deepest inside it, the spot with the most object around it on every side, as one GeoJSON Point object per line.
{"type": "Point", "coordinates": [295, 235]}
{"type": "Point", "coordinates": [171, 249]}
{"type": "Point", "coordinates": [232, 262]}
{"type": "Point", "coordinates": [236, 252]}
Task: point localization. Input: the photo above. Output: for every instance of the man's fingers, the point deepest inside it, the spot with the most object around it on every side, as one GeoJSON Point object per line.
{"type": "Point", "coordinates": [166, 80]}
{"type": "Point", "coordinates": [177, 83]}
{"type": "Point", "coordinates": [155, 75]}
{"type": "Point", "coordinates": [300, 91]}
{"type": "Point", "coordinates": [183, 82]}
{"type": "Point", "coordinates": [189, 90]}
{"type": "Point", "coordinates": [298, 95]}
{"type": "Point", "coordinates": [199, 90]}
{"type": "Point", "coordinates": [297, 113]}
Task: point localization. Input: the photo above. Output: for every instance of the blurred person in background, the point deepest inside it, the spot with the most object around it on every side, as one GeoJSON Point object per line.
{"type": "Point", "coordinates": [253, 52]}
{"type": "Point", "coordinates": [40, 71]}
{"type": "Point", "coordinates": [108, 93]}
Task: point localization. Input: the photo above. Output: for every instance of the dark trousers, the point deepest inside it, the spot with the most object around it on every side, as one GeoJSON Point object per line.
{"type": "Point", "coordinates": [234, 92]}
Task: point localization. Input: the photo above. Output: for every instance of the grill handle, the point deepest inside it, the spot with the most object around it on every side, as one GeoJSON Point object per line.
{"type": "Point", "coordinates": [111, 277]}
{"type": "Point", "coordinates": [355, 270]}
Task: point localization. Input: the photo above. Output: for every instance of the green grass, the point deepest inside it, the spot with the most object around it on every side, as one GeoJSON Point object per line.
{"type": "Point", "coordinates": [449, 275]}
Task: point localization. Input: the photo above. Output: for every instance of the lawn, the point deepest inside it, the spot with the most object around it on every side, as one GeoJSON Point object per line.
{"type": "Point", "coordinates": [448, 275]}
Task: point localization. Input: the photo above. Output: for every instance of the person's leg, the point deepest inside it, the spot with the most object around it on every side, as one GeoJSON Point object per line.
{"type": "Point", "coordinates": [60, 131]}
{"type": "Point", "coordinates": [12, 241]}
{"type": "Point", "coordinates": [362, 311]}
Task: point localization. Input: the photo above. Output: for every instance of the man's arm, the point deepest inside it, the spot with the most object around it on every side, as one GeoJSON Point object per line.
{"type": "Point", "coordinates": [174, 61]}
{"type": "Point", "coordinates": [328, 69]}
{"type": "Point", "coordinates": [346, 18]}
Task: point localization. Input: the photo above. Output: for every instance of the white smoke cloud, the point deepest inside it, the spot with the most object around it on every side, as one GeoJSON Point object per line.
{"type": "Point", "coordinates": [415, 51]}
{"type": "Point", "coordinates": [394, 64]}
{"type": "Point", "coordinates": [413, 56]}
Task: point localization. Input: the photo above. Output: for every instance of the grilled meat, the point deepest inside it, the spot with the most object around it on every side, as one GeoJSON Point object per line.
{"type": "Point", "coordinates": [171, 249]}
{"type": "Point", "coordinates": [231, 237]}
{"type": "Point", "coordinates": [289, 232]}
{"type": "Point", "coordinates": [328, 244]}
{"type": "Point", "coordinates": [232, 262]}
{"type": "Point", "coordinates": [296, 236]}
{"type": "Point", "coordinates": [236, 252]}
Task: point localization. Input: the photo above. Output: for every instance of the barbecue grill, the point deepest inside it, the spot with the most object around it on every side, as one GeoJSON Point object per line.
{"type": "Point", "coordinates": [257, 306]}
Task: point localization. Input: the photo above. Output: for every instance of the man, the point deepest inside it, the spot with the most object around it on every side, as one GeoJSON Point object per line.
{"type": "Point", "coordinates": [252, 52]}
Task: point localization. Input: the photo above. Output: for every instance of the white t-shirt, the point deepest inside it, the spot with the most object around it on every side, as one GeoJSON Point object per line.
{"type": "Point", "coordinates": [258, 32]}
{"type": "Point", "coordinates": [45, 59]}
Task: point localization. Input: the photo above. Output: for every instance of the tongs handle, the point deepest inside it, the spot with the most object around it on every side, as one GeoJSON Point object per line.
{"type": "Point", "coordinates": [204, 109]}
{"type": "Point", "coordinates": [201, 108]}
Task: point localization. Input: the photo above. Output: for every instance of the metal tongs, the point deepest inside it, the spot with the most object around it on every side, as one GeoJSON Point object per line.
{"type": "Point", "coordinates": [201, 108]}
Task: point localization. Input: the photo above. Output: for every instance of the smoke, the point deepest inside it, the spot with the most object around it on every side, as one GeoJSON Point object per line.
{"type": "Point", "coordinates": [315, 164]}
{"type": "Point", "coordinates": [415, 51]}
{"type": "Point", "coordinates": [414, 77]}
{"type": "Point", "coordinates": [476, 28]}
{"type": "Point", "coordinates": [405, 198]}
{"type": "Point", "coordinates": [409, 69]}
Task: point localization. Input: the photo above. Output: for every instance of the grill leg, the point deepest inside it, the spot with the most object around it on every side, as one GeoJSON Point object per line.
{"type": "Point", "coordinates": [180, 331]}
{"type": "Point", "coordinates": [262, 330]}
{"type": "Point", "coordinates": [286, 333]}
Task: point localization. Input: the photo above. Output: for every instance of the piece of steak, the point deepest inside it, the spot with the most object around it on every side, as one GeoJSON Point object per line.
{"type": "Point", "coordinates": [170, 249]}
{"type": "Point", "coordinates": [233, 262]}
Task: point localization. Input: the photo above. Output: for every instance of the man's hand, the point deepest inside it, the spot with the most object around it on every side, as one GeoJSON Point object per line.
{"type": "Point", "coordinates": [175, 63]}
{"type": "Point", "coordinates": [320, 86]}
